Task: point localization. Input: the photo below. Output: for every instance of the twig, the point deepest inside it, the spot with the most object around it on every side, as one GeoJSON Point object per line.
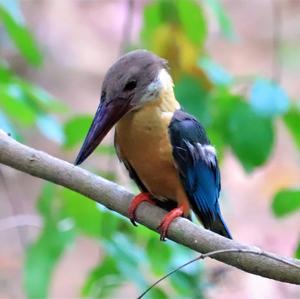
{"type": "Point", "coordinates": [211, 254]}
{"type": "Point", "coordinates": [116, 198]}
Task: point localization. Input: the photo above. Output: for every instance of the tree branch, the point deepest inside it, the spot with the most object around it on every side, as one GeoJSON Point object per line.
{"type": "Point", "coordinates": [248, 258]}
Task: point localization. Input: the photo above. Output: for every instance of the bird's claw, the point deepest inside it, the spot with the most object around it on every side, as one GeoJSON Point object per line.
{"type": "Point", "coordinates": [163, 232]}
{"type": "Point", "coordinates": [167, 220]}
{"type": "Point", "coordinates": [136, 201]}
{"type": "Point", "coordinates": [132, 220]}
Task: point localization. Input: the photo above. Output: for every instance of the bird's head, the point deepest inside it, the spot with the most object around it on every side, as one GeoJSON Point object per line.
{"type": "Point", "coordinates": [133, 80]}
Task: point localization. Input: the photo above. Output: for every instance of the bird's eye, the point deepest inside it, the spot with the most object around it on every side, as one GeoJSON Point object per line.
{"type": "Point", "coordinates": [130, 85]}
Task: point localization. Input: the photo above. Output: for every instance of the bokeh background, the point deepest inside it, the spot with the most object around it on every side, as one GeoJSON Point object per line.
{"type": "Point", "coordinates": [236, 66]}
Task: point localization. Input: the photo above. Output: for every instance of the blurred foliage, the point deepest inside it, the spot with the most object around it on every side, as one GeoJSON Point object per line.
{"type": "Point", "coordinates": [292, 120]}
{"type": "Point", "coordinates": [286, 202]}
{"type": "Point", "coordinates": [75, 130]}
{"type": "Point", "coordinates": [68, 214]}
{"type": "Point", "coordinates": [242, 123]}
{"type": "Point", "coordinates": [10, 18]}
{"type": "Point", "coordinates": [24, 105]}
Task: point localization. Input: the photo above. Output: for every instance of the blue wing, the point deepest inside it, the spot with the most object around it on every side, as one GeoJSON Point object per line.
{"type": "Point", "coordinates": [198, 168]}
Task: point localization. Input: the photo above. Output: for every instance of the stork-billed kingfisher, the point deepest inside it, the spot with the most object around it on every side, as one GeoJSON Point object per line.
{"type": "Point", "coordinates": [165, 150]}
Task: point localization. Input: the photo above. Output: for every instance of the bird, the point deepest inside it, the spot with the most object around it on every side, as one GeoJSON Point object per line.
{"type": "Point", "coordinates": [165, 150]}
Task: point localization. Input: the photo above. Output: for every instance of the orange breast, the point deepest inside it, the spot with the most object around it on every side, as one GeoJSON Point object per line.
{"type": "Point", "coordinates": [142, 139]}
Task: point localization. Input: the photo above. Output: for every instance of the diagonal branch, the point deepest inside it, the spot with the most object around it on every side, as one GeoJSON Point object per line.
{"type": "Point", "coordinates": [248, 258]}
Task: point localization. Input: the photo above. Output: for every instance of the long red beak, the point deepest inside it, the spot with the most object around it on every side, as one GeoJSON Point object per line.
{"type": "Point", "coordinates": [108, 114]}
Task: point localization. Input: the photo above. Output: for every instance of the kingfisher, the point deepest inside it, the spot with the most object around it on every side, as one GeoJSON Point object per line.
{"type": "Point", "coordinates": [165, 150]}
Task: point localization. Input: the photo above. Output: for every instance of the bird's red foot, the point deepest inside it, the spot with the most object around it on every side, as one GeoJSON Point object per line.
{"type": "Point", "coordinates": [167, 220]}
{"type": "Point", "coordinates": [136, 201]}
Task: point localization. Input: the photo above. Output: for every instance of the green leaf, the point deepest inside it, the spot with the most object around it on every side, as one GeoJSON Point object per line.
{"type": "Point", "coordinates": [185, 13]}
{"type": "Point", "coordinates": [192, 20]}
{"type": "Point", "coordinates": [251, 136]}
{"type": "Point", "coordinates": [22, 38]}
{"type": "Point", "coordinates": [82, 211]}
{"type": "Point", "coordinates": [187, 281]}
{"type": "Point", "coordinates": [110, 224]}
{"type": "Point", "coordinates": [158, 262]}
{"type": "Point", "coordinates": [129, 257]}
{"type": "Point", "coordinates": [297, 252]}
{"type": "Point", "coordinates": [13, 8]}
{"type": "Point", "coordinates": [221, 103]}
{"type": "Point", "coordinates": [44, 254]}
{"type": "Point", "coordinates": [41, 260]}
{"type": "Point", "coordinates": [5, 73]}
{"type": "Point", "coordinates": [292, 121]}
{"type": "Point", "coordinates": [268, 98]}
{"type": "Point", "coordinates": [192, 96]}
{"type": "Point", "coordinates": [218, 140]}
{"type": "Point", "coordinates": [103, 281]}
{"type": "Point", "coordinates": [188, 285]}
{"type": "Point", "coordinates": [157, 293]}
{"type": "Point", "coordinates": [285, 202]}
{"type": "Point", "coordinates": [223, 19]}
{"type": "Point", "coordinates": [40, 99]}
{"type": "Point", "coordinates": [152, 20]}
{"type": "Point", "coordinates": [76, 129]}
{"type": "Point", "coordinates": [169, 11]}
{"type": "Point", "coordinates": [45, 201]}
{"type": "Point", "coordinates": [13, 103]}
{"type": "Point", "coordinates": [36, 99]}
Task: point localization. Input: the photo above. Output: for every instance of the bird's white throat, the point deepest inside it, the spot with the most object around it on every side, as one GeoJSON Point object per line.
{"type": "Point", "coordinates": [162, 83]}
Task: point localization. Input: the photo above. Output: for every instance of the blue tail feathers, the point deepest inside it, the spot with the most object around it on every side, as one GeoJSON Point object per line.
{"type": "Point", "coordinates": [219, 227]}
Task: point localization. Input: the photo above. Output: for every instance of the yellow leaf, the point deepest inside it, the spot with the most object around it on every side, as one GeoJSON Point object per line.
{"type": "Point", "coordinates": [171, 43]}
